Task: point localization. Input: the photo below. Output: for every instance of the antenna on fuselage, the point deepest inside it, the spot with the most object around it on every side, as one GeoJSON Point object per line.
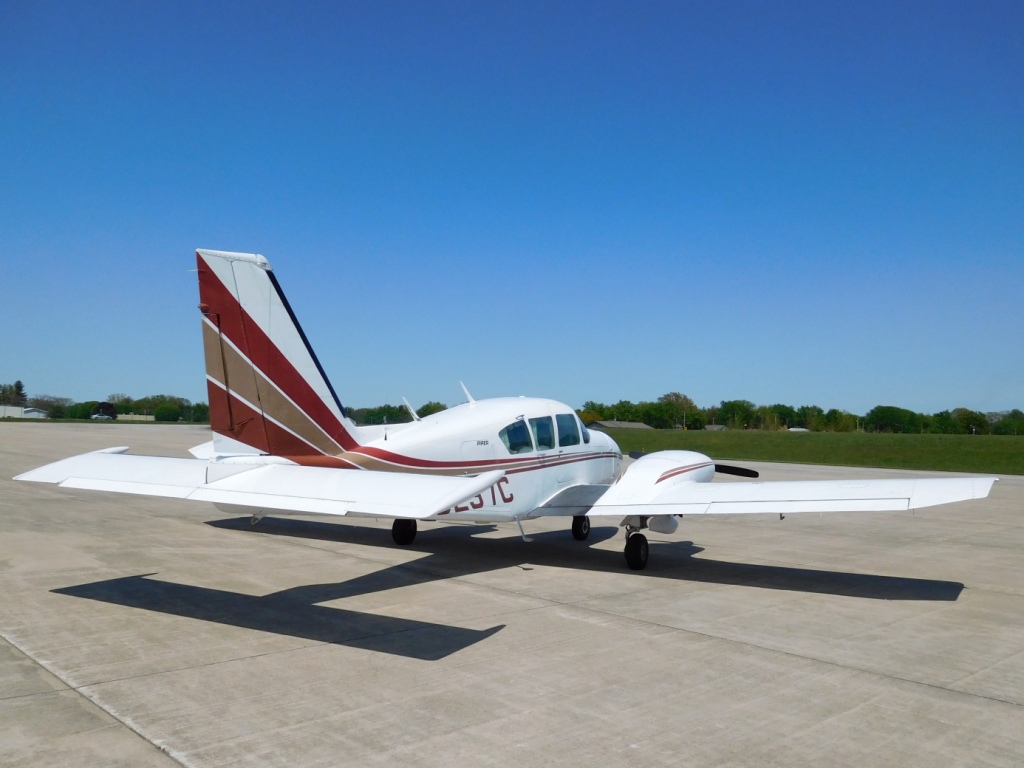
{"type": "Point", "coordinates": [412, 413]}
{"type": "Point", "coordinates": [468, 396]}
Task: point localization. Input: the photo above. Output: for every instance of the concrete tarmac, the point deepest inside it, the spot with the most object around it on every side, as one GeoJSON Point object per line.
{"type": "Point", "coordinates": [140, 631]}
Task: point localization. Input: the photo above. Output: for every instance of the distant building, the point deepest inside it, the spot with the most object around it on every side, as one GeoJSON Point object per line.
{"type": "Point", "coordinates": [17, 412]}
{"type": "Point", "coordinates": [618, 425]}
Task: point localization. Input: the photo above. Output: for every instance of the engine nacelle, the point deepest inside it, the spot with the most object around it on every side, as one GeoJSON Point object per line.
{"type": "Point", "coordinates": [650, 476]}
{"type": "Point", "coordinates": [663, 523]}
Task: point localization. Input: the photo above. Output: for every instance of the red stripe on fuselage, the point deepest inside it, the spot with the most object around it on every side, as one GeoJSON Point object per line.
{"type": "Point", "coordinates": [245, 333]}
{"type": "Point", "coordinates": [331, 462]}
{"type": "Point", "coordinates": [528, 462]}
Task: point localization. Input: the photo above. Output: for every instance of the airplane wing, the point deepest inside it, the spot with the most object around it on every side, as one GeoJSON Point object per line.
{"type": "Point", "coordinates": [676, 483]}
{"type": "Point", "coordinates": [270, 487]}
{"type": "Point", "coordinates": [793, 497]}
{"type": "Point", "coordinates": [659, 487]}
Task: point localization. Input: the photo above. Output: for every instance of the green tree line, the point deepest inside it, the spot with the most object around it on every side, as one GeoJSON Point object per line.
{"type": "Point", "coordinates": [671, 410]}
{"type": "Point", "coordinates": [161, 407]}
{"type": "Point", "coordinates": [391, 414]}
{"type": "Point", "coordinates": [675, 410]}
{"type": "Point", "coordinates": [13, 394]}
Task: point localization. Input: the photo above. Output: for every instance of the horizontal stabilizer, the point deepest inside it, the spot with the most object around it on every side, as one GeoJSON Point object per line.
{"type": "Point", "coordinates": [115, 471]}
{"type": "Point", "coordinates": [272, 487]}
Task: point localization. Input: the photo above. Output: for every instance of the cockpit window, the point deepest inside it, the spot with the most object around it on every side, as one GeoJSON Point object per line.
{"type": "Point", "coordinates": [516, 437]}
{"type": "Point", "coordinates": [543, 433]}
{"type": "Point", "coordinates": [568, 429]}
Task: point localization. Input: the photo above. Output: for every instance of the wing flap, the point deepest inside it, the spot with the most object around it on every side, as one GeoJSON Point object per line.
{"type": "Point", "coordinates": [124, 486]}
{"type": "Point", "coordinates": [575, 500]}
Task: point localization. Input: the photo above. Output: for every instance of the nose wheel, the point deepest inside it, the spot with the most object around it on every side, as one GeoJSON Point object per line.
{"type": "Point", "coordinates": [637, 550]}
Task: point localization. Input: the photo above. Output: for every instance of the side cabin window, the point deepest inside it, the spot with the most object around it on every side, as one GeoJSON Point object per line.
{"type": "Point", "coordinates": [543, 433]}
{"type": "Point", "coordinates": [568, 429]}
{"type": "Point", "coordinates": [516, 437]}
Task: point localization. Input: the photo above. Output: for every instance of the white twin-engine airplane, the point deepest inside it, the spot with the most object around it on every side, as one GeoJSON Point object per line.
{"type": "Point", "coordinates": [283, 444]}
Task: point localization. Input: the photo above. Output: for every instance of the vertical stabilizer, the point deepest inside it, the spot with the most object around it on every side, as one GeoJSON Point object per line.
{"type": "Point", "coordinates": [268, 392]}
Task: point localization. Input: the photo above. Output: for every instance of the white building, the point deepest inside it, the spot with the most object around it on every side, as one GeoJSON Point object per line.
{"type": "Point", "coordinates": [17, 412]}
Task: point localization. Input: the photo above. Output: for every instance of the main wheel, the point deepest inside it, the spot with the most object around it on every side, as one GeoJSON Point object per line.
{"type": "Point", "coordinates": [580, 527]}
{"type": "Point", "coordinates": [637, 551]}
{"type": "Point", "coordinates": [403, 531]}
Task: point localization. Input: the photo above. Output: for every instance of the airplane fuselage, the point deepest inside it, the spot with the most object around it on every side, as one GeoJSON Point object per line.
{"type": "Point", "coordinates": [540, 445]}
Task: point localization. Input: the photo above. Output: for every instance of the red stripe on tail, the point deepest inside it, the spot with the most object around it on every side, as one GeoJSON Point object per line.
{"type": "Point", "coordinates": [224, 310]}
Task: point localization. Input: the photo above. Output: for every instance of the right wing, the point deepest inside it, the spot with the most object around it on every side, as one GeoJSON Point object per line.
{"type": "Point", "coordinates": [280, 487]}
{"type": "Point", "coordinates": [677, 483]}
{"type": "Point", "coordinates": [792, 497]}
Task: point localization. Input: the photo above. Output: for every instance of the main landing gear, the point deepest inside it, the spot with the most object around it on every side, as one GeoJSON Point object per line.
{"type": "Point", "coordinates": [403, 531]}
{"type": "Point", "coordinates": [637, 549]}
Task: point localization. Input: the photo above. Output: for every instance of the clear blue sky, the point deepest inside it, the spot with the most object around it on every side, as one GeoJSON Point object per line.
{"type": "Point", "coordinates": [808, 203]}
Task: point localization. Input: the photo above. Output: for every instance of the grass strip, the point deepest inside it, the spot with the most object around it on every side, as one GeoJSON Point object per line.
{"type": "Point", "coordinates": [985, 454]}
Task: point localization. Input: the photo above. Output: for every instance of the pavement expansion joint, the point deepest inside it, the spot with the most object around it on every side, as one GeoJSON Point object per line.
{"type": "Point", "coordinates": [204, 665]}
{"type": "Point", "coordinates": [93, 699]}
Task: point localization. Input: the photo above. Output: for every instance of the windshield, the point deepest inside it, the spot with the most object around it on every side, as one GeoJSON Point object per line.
{"type": "Point", "coordinates": [568, 429]}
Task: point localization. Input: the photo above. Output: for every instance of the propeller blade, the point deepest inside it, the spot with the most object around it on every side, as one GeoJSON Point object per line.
{"type": "Point", "coordinates": [728, 469]}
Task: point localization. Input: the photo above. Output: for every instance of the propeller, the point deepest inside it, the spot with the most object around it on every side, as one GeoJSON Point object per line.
{"type": "Point", "coordinates": [728, 469]}
{"type": "Point", "coordinates": [725, 469]}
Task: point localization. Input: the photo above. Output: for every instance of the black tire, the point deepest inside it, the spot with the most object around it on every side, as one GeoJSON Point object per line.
{"type": "Point", "coordinates": [637, 550]}
{"type": "Point", "coordinates": [580, 527]}
{"type": "Point", "coordinates": [403, 531]}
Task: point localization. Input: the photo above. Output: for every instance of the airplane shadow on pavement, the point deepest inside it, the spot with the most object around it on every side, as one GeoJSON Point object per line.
{"type": "Point", "coordinates": [291, 612]}
{"type": "Point", "coordinates": [449, 553]}
{"type": "Point", "coordinates": [453, 551]}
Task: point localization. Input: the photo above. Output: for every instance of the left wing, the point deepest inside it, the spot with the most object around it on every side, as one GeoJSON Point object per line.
{"type": "Point", "coordinates": [266, 483]}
